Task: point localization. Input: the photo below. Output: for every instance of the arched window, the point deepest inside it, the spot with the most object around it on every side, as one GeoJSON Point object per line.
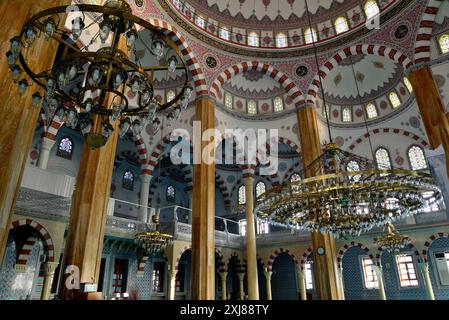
{"type": "Point", "coordinates": [253, 39]}
{"type": "Point", "coordinates": [177, 4]}
{"type": "Point", "coordinates": [228, 101]}
{"type": "Point", "coordinates": [128, 180]}
{"type": "Point", "coordinates": [394, 99]}
{"type": "Point", "coordinates": [408, 84]}
{"type": "Point", "coordinates": [170, 95]}
{"type": "Point", "coordinates": [417, 158]}
{"type": "Point", "coordinates": [346, 114]}
{"type": "Point", "coordinates": [371, 110]}
{"type": "Point", "coordinates": [341, 25]}
{"type": "Point", "coordinates": [171, 195]}
{"type": "Point", "coordinates": [65, 148]}
{"type": "Point", "coordinates": [278, 104]}
{"type": "Point", "coordinates": [200, 22]}
{"type": "Point", "coordinates": [371, 9]}
{"type": "Point", "coordinates": [281, 40]}
{"type": "Point", "coordinates": [353, 166]}
{"type": "Point", "coordinates": [252, 107]}
{"type": "Point", "coordinates": [242, 195]}
{"type": "Point", "coordinates": [260, 188]}
{"type": "Point", "coordinates": [383, 159]}
{"type": "Point", "coordinates": [444, 43]}
{"type": "Point", "coordinates": [224, 33]}
{"type": "Point", "coordinates": [310, 36]}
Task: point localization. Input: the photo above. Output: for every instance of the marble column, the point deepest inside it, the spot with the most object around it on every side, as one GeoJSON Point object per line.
{"type": "Point", "coordinates": [172, 284]}
{"type": "Point", "coordinates": [268, 284]}
{"type": "Point", "coordinates": [223, 276]}
{"type": "Point", "coordinates": [241, 277]}
{"type": "Point", "coordinates": [380, 281]}
{"type": "Point", "coordinates": [302, 283]}
{"type": "Point", "coordinates": [44, 153]}
{"type": "Point", "coordinates": [424, 266]}
{"type": "Point", "coordinates": [202, 281]}
{"type": "Point", "coordinates": [325, 265]}
{"type": "Point", "coordinates": [18, 116]}
{"type": "Point", "coordinates": [145, 180]}
{"type": "Point", "coordinates": [251, 250]}
{"type": "Point", "coordinates": [49, 271]}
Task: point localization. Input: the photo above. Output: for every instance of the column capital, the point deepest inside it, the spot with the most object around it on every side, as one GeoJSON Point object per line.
{"type": "Point", "coordinates": [249, 179]}
{"type": "Point", "coordinates": [241, 276]}
{"type": "Point", "coordinates": [223, 275]}
{"type": "Point", "coordinates": [424, 266]}
{"type": "Point", "coordinates": [49, 268]}
{"type": "Point", "coordinates": [268, 274]}
{"type": "Point", "coordinates": [47, 143]}
{"type": "Point", "coordinates": [146, 178]}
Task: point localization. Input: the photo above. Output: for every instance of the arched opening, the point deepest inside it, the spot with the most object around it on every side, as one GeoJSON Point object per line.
{"type": "Point", "coordinates": [182, 285]}
{"type": "Point", "coordinates": [283, 280]}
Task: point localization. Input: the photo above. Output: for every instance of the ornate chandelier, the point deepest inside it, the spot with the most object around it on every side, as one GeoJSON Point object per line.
{"type": "Point", "coordinates": [346, 201]}
{"type": "Point", "coordinates": [153, 241]}
{"type": "Point", "coordinates": [392, 240]}
{"type": "Point", "coordinates": [88, 89]}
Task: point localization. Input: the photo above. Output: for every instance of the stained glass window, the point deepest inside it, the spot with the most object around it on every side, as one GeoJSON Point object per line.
{"type": "Point", "coordinates": [228, 101]}
{"type": "Point", "coordinates": [65, 148]}
{"type": "Point", "coordinates": [371, 9]}
{"type": "Point", "coordinates": [242, 195]}
{"type": "Point", "coordinates": [408, 84]}
{"type": "Point", "coordinates": [383, 159]}
{"type": "Point", "coordinates": [371, 111]}
{"type": "Point", "coordinates": [407, 271]}
{"type": "Point", "coordinates": [444, 43]}
{"type": "Point", "coordinates": [394, 99]}
{"type": "Point", "coordinates": [177, 3]}
{"type": "Point", "coordinates": [171, 193]}
{"type": "Point", "coordinates": [341, 25]}
{"type": "Point", "coordinates": [417, 158]}
{"type": "Point", "coordinates": [310, 35]}
{"type": "Point", "coordinates": [347, 114]}
{"type": "Point", "coordinates": [281, 40]}
{"type": "Point", "coordinates": [224, 33]}
{"type": "Point", "coordinates": [369, 273]}
{"type": "Point", "coordinates": [260, 188]}
{"type": "Point", "coordinates": [252, 107]}
{"type": "Point", "coordinates": [170, 95]}
{"type": "Point", "coordinates": [200, 22]}
{"type": "Point", "coordinates": [278, 104]}
{"type": "Point", "coordinates": [128, 180]}
{"type": "Point", "coordinates": [253, 39]}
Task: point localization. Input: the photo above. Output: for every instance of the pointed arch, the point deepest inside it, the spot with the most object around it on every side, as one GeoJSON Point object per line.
{"type": "Point", "coordinates": [278, 252]}
{"type": "Point", "coordinates": [348, 246]}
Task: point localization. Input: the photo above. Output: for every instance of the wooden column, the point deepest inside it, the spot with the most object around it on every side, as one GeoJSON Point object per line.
{"type": "Point", "coordinates": [84, 244]}
{"type": "Point", "coordinates": [203, 207]}
{"type": "Point", "coordinates": [18, 117]}
{"type": "Point", "coordinates": [429, 102]}
{"type": "Point", "coordinates": [325, 265]}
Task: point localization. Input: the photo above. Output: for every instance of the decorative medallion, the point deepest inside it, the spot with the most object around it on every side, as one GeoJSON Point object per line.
{"type": "Point", "coordinates": [401, 32]}
{"type": "Point", "coordinates": [211, 62]}
{"type": "Point", "coordinates": [302, 71]}
{"type": "Point", "coordinates": [138, 3]}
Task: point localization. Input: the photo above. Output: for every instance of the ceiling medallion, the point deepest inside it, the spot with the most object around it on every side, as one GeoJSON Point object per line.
{"type": "Point", "coordinates": [302, 71]}
{"type": "Point", "coordinates": [138, 3]}
{"type": "Point", "coordinates": [211, 62]}
{"type": "Point", "coordinates": [401, 31]}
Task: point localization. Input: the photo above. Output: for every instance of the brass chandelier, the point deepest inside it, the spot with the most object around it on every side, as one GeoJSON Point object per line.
{"type": "Point", "coordinates": [88, 89]}
{"type": "Point", "coordinates": [152, 241]}
{"type": "Point", "coordinates": [392, 241]}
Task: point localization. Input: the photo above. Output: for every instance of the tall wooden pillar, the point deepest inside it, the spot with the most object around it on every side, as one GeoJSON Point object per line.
{"type": "Point", "coordinates": [325, 265]}
{"type": "Point", "coordinates": [18, 117]}
{"type": "Point", "coordinates": [203, 213]}
{"type": "Point", "coordinates": [84, 244]}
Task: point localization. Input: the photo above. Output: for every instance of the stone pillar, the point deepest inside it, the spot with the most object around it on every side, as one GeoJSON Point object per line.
{"type": "Point", "coordinates": [241, 285]}
{"type": "Point", "coordinates": [424, 266]}
{"type": "Point", "coordinates": [44, 153]}
{"type": "Point", "coordinates": [172, 284]}
{"type": "Point", "coordinates": [144, 196]}
{"type": "Point", "coordinates": [18, 117]}
{"type": "Point", "coordinates": [380, 281]}
{"type": "Point", "coordinates": [203, 206]}
{"type": "Point", "coordinates": [49, 271]}
{"type": "Point", "coordinates": [268, 284]}
{"type": "Point", "coordinates": [223, 276]}
{"type": "Point", "coordinates": [251, 250]}
{"type": "Point", "coordinates": [302, 283]}
{"type": "Point", "coordinates": [325, 265]}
